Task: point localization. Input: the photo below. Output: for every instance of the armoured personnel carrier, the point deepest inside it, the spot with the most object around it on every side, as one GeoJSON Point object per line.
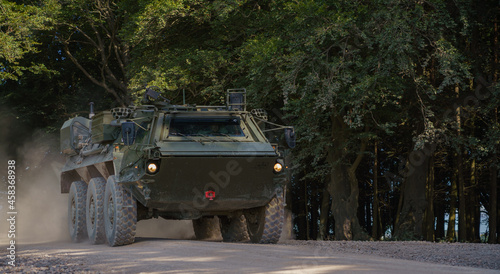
{"type": "Point", "coordinates": [210, 164]}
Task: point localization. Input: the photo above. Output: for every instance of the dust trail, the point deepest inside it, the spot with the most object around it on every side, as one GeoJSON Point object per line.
{"type": "Point", "coordinates": [42, 209]}
{"type": "Point", "coordinates": [287, 233]}
{"type": "Point", "coordinates": [161, 228]}
{"type": "Point", "coordinates": [8, 129]}
{"type": "Point", "coordinates": [40, 205]}
{"type": "Point", "coordinates": [3, 195]}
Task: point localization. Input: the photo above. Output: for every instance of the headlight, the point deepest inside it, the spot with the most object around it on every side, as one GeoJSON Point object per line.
{"type": "Point", "coordinates": [278, 167]}
{"type": "Point", "coordinates": [152, 168]}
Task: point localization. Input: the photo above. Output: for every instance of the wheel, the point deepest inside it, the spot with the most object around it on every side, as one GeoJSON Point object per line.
{"type": "Point", "coordinates": [76, 211]}
{"type": "Point", "coordinates": [207, 228]}
{"type": "Point", "coordinates": [120, 214]}
{"type": "Point", "coordinates": [95, 210]}
{"type": "Point", "coordinates": [233, 229]}
{"type": "Point", "coordinates": [265, 224]}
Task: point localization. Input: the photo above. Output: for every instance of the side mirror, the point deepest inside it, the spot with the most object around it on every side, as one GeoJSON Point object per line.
{"type": "Point", "coordinates": [290, 137]}
{"type": "Point", "coordinates": [128, 133]}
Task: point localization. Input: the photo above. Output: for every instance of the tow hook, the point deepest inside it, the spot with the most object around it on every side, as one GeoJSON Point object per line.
{"type": "Point", "coordinates": [210, 195]}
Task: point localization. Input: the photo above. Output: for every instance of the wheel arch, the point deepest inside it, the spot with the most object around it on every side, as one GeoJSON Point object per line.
{"type": "Point", "coordinates": [86, 173]}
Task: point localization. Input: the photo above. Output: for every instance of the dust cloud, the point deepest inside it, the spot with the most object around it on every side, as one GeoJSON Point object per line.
{"type": "Point", "coordinates": [287, 233]}
{"type": "Point", "coordinates": [40, 206]}
{"type": "Point", "coordinates": [42, 209]}
{"type": "Point", "coordinates": [161, 228]}
{"type": "Point", "coordinates": [3, 193]}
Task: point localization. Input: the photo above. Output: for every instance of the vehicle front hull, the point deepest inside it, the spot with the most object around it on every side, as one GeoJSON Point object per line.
{"type": "Point", "coordinates": [190, 187]}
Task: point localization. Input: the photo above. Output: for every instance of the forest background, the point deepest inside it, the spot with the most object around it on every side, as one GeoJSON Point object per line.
{"type": "Point", "coordinates": [395, 102]}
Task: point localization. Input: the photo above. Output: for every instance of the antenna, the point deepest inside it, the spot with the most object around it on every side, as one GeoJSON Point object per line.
{"type": "Point", "coordinates": [91, 114]}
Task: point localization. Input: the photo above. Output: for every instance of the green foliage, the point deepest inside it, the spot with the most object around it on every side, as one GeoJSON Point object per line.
{"type": "Point", "coordinates": [183, 45]}
{"type": "Point", "coordinates": [19, 24]}
{"type": "Point", "coordinates": [342, 72]}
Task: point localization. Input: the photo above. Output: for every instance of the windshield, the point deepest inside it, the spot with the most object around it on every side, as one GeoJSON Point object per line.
{"type": "Point", "coordinates": [211, 127]}
{"type": "Point", "coordinates": [80, 134]}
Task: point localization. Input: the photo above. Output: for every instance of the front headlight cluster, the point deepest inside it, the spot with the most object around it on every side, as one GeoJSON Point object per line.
{"type": "Point", "coordinates": [278, 166]}
{"type": "Point", "coordinates": [152, 167]}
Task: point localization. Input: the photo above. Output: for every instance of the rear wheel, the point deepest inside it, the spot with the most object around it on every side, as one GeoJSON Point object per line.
{"type": "Point", "coordinates": [95, 210]}
{"type": "Point", "coordinates": [76, 211]}
{"type": "Point", "coordinates": [207, 228]}
{"type": "Point", "coordinates": [120, 214]}
{"type": "Point", "coordinates": [266, 223]}
{"type": "Point", "coordinates": [233, 229]}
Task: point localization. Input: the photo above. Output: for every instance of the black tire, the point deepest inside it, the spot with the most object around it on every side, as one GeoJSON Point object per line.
{"type": "Point", "coordinates": [207, 228]}
{"type": "Point", "coordinates": [76, 211]}
{"type": "Point", "coordinates": [233, 229]}
{"type": "Point", "coordinates": [265, 224]}
{"type": "Point", "coordinates": [120, 214]}
{"type": "Point", "coordinates": [95, 210]}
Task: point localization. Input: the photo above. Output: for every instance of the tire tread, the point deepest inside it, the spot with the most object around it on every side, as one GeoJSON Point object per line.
{"type": "Point", "coordinates": [78, 189]}
{"type": "Point", "coordinates": [124, 229]}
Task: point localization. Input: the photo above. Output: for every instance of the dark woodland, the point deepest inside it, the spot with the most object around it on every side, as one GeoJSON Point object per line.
{"type": "Point", "coordinates": [395, 102]}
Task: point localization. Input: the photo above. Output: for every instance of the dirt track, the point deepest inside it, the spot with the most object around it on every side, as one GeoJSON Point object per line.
{"type": "Point", "coordinates": [173, 256]}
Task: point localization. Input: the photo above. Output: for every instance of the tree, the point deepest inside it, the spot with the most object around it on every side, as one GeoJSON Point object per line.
{"type": "Point", "coordinates": [328, 62]}
{"type": "Point", "coordinates": [89, 34]}
{"type": "Point", "coordinates": [18, 24]}
{"type": "Point", "coordinates": [188, 45]}
{"type": "Point", "coordinates": [395, 103]}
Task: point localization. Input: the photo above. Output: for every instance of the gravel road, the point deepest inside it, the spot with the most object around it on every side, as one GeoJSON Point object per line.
{"type": "Point", "coordinates": [160, 255]}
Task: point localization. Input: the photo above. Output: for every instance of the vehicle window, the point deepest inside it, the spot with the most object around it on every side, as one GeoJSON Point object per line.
{"type": "Point", "coordinates": [141, 130]}
{"type": "Point", "coordinates": [228, 127]}
{"type": "Point", "coordinates": [80, 133]}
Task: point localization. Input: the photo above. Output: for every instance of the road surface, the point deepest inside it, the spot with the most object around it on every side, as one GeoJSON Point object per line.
{"type": "Point", "coordinates": [160, 255]}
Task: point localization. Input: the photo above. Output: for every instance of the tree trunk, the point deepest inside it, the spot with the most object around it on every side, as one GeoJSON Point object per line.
{"type": "Point", "coordinates": [376, 229]}
{"type": "Point", "coordinates": [451, 233]}
{"type": "Point", "coordinates": [313, 233]}
{"type": "Point", "coordinates": [343, 186]}
{"type": "Point", "coordinates": [474, 205]}
{"type": "Point", "coordinates": [494, 224]}
{"type": "Point", "coordinates": [498, 222]}
{"type": "Point", "coordinates": [495, 47]}
{"type": "Point", "coordinates": [362, 212]}
{"type": "Point", "coordinates": [301, 218]}
{"type": "Point", "coordinates": [345, 193]}
{"type": "Point", "coordinates": [493, 217]}
{"type": "Point", "coordinates": [429, 211]}
{"type": "Point", "coordinates": [323, 219]}
{"type": "Point", "coordinates": [306, 212]}
{"type": "Point", "coordinates": [414, 201]}
{"type": "Point", "coordinates": [462, 215]}
{"type": "Point", "coordinates": [439, 211]}
{"type": "Point", "coordinates": [368, 212]}
{"type": "Point", "coordinates": [493, 203]}
{"type": "Point", "coordinates": [397, 220]}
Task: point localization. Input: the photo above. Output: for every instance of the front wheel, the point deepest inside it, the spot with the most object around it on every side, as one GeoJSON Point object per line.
{"type": "Point", "coordinates": [264, 224]}
{"type": "Point", "coordinates": [120, 214]}
{"type": "Point", "coordinates": [76, 211]}
{"type": "Point", "coordinates": [95, 212]}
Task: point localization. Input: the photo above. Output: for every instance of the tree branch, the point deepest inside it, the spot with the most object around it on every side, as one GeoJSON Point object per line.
{"type": "Point", "coordinates": [79, 66]}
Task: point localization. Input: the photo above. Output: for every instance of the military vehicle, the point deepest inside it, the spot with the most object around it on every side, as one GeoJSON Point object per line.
{"type": "Point", "coordinates": [210, 164]}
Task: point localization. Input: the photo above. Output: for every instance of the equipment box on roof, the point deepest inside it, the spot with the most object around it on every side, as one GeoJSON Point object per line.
{"type": "Point", "coordinates": [102, 131]}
